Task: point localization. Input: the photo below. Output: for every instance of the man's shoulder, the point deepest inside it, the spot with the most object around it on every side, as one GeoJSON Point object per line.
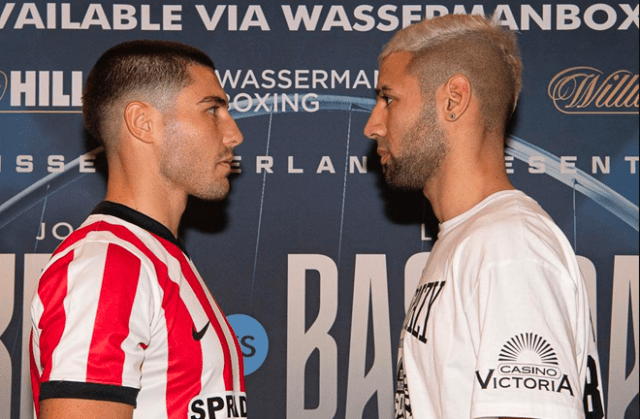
{"type": "Point", "coordinates": [100, 231]}
{"type": "Point", "coordinates": [105, 239]}
{"type": "Point", "coordinates": [509, 224]}
{"type": "Point", "coordinates": [109, 239]}
{"type": "Point", "coordinates": [506, 212]}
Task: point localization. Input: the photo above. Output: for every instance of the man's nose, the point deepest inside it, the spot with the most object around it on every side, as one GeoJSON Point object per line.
{"type": "Point", "coordinates": [233, 136]}
{"type": "Point", "coordinates": [376, 127]}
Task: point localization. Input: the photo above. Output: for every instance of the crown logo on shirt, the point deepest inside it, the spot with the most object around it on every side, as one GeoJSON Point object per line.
{"type": "Point", "coordinates": [528, 348]}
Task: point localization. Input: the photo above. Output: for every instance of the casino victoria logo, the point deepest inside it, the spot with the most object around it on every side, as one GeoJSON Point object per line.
{"type": "Point", "coordinates": [589, 91]}
{"type": "Point", "coordinates": [526, 362]}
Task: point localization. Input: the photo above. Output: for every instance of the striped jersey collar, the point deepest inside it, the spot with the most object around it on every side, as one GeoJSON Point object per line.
{"type": "Point", "coordinates": [139, 219]}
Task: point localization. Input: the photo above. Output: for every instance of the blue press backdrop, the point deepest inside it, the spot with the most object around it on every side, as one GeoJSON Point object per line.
{"type": "Point", "coordinates": [308, 214]}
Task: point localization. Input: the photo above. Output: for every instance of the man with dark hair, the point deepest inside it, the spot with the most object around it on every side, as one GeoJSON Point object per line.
{"type": "Point", "coordinates": [500, 325]}
{"type": "Point", "coordinates": [123, 324]}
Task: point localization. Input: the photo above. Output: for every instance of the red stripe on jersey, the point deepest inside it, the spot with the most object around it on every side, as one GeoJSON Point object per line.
{"type": "Point", "coordinates": [186, 381]}
{"type": "Point", "coordinates": [204, 302]}
{"type": "Point", "coordinates": [239, 354]}
{"type": "Point", "coordinates": [75, 237]}
{"type": "Point", "coordinates": [35, 376]}
{"type": "Point", "coordinates": [105, 363]}
{"type": "Point", "coordinates": [52, 291]}
{"type": "Point", "coordinates": [181, 345]}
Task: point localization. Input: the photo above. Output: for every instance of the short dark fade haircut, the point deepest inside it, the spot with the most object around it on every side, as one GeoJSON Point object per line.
{"type": "Point", "coordinates": [145, 70]}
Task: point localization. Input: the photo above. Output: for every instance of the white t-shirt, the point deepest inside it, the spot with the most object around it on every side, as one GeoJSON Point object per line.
{"type": "Point", "coordinates": [500, 323]}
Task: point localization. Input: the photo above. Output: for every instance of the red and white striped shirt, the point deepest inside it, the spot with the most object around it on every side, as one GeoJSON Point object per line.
{"type": "Point", "coordinates": [121, 314]}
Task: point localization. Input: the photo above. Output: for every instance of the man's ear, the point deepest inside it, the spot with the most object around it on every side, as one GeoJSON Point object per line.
{"type": "Point", "coordinates": [143, 121]}
{"type": "Point", "coordinates": [457, 96]}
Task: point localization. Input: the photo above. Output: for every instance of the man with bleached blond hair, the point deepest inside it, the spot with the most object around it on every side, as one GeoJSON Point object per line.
{"type": "Point", "coordinates": [499, 326]}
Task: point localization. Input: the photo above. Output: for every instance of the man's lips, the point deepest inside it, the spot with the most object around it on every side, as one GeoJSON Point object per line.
{"type": "Point", "coordinates": [226, 163]}
{"type": "Point", "coordinates": [385, 156]}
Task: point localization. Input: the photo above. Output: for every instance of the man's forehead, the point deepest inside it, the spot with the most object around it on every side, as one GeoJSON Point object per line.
{"type": "Point", "coordinates": [396, 62]}
{"type": "Point", "coordinates": [394, 70]}
{"type": "Point", "coordinates": [206, 81]}
{"type": "Point", "coordinates": [204, 75]}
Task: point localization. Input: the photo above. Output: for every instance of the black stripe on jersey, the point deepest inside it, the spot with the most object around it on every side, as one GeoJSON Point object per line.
{"type": "Point", "coordinates": [88, 391]}
{"type": "Point", "coordinates": [137, 218]}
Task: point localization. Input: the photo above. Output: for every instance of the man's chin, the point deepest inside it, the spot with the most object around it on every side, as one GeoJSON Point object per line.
{"type": "Point", "coordinates": [402, 187]}
{"type": "Point", "coordinates": [396, 181]}
{"type": "Point", "coordinates": [217, 192]}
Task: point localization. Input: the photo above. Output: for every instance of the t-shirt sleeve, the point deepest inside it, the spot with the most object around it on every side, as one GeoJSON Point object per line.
{"type": "Point", "coordinates": [92, 316]}
{"type": "Point", "coordinates": [529, 323]}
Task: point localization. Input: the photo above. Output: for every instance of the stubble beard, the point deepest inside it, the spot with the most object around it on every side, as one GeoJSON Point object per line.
{"type": "Point", "coordinates": [423, 150]}
{"type": "Point", "coordinates": [192, 172]}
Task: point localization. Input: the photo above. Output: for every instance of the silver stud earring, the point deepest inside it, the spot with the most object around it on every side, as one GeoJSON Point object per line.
{"type": "Point", "coordinates": [452, 116]}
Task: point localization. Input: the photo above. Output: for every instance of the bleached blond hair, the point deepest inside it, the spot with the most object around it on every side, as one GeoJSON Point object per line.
{"type": "Point", "coordinates": [471, 45]}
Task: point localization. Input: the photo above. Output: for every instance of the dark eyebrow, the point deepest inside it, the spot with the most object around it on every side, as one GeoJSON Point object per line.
{"type": "Point", "coordinates": [215, 99]}
{"type": "Point", "coordinates": [383, 90]}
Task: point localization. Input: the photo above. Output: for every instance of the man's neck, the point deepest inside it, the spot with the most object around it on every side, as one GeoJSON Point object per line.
{"type": "Point", "coordinates": [166, 208]}
{"type": "Point", "coordinates": [447, 204]}
{"type": "Point", "coordinates": [463, 181]}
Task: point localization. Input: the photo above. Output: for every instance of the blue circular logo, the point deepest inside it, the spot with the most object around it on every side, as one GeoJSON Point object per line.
{"type": "Point", "coordinates": [253, 339]}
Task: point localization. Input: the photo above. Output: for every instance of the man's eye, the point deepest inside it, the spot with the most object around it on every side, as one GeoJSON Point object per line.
{"type": "Point", "coordinates": [212, 110]}
{"type": "Point", "coordinates": [387, 100]}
